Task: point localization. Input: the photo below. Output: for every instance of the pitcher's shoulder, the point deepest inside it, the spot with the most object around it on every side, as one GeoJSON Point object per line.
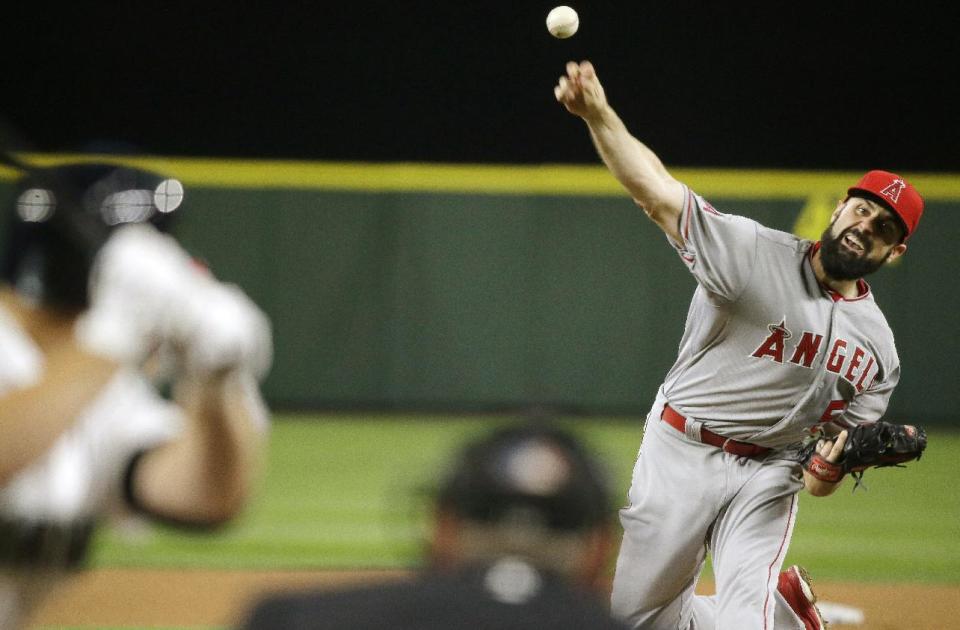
{"type": "Point", "coordinates": [784, 240]}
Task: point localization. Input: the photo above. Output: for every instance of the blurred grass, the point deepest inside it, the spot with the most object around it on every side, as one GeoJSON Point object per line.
{"type": "Point", "coordinates": [349, 492]}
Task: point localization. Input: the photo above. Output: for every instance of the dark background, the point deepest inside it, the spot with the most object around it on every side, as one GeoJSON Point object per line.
{"type": "Point", "coordinates": [790, 85]}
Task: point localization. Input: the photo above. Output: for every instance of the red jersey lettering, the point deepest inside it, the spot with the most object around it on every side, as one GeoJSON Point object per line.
{"type": "Point", "coordinates": [837, 355]}
{"type": "Point", "coordinates": [773, 345]}
{"type": "Point", "coordinates": [807, 349]}
{"type": "Point", "coordinates": [855, 362]}
{"type": "Point", "coordinates": [860, 386]}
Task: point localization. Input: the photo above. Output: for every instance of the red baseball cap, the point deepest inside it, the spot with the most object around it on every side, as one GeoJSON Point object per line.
{"type": "Point", "coordinates": [894, 192]}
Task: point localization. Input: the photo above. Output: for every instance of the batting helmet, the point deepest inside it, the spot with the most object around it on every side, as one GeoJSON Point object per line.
{"type": "Point", "coordinates": [62, 215]}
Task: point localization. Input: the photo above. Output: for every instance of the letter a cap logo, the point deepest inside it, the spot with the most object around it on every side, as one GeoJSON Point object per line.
{"type": "Point", "coordinates": [894, 192]}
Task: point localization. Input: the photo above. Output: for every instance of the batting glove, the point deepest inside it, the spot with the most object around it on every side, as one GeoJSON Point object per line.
{"type": "Point", "coordinates": [139, 281]}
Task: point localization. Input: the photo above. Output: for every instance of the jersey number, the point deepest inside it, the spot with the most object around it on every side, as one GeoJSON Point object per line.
{"type": "Point", "coordinates": [834, 409]}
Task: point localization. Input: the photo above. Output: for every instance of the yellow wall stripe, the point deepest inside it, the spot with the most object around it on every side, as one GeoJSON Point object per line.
{"type": "Point", "coordinates": [547, 179]}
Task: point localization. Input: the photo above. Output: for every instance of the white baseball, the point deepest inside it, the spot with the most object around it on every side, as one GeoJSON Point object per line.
{"type": "Point", "coordinates": [562, 22]}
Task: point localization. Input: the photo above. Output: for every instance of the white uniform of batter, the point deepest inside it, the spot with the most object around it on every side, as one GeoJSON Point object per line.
{"type": "Point", "coordinates": [79, 479]}
{"type": "Point", "coordinates": [767, 354]}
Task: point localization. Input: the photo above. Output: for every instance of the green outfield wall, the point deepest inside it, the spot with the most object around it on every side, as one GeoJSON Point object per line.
{"type": "Point", "coordinates": [405, 286]}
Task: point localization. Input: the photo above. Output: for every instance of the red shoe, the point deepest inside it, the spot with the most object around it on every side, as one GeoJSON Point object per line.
{"type": "Point", "coordinates": [794, 585]}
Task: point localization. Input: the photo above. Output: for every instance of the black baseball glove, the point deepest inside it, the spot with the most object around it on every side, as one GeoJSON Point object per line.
{"type": "Point", "coordinates": [868, 445]}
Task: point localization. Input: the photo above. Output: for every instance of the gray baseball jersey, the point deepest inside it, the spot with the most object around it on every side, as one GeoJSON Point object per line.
{"type": "Point", "coordinates": [767, 354]}
{"type": "Point", "coordinates": [768, 351]}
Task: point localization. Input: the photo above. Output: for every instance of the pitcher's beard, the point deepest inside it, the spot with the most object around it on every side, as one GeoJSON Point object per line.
{"type": "Point", "coordinates": [841, 264]}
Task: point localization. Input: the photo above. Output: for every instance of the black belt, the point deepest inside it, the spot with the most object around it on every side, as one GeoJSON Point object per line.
{"type": "Point", "coordinates": [44, 543]}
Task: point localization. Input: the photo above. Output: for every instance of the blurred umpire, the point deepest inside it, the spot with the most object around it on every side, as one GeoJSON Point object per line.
{"type": "Point", "coordinates": [520, 537]}
{"type": "Point", "coordinates": [100, 311]}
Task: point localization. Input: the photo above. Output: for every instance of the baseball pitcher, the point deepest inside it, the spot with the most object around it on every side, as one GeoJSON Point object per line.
{"type": "Point", "coordinates": [783, 339]}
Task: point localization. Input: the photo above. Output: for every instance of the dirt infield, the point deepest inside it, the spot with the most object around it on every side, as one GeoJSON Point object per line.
{"type": "Point", "coordinates": [144, 598]}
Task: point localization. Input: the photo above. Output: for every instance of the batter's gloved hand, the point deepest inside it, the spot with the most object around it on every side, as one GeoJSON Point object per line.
{"type": "Point", "coordinates": [139, 282]}
{"type": "Point", "coordinates": [225, 330]}
{"type": "Point", "coordinates": [873, 445]}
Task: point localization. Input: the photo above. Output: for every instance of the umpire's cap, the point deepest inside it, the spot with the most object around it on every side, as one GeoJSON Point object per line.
{"type": "Point", "coordinates": [60, 216]}
{"type": "Point", "coordinates": [530, 473]}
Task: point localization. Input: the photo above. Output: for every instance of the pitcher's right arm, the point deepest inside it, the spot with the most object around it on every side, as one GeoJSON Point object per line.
{"type": "Point", "coordinates": [636, 167]}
